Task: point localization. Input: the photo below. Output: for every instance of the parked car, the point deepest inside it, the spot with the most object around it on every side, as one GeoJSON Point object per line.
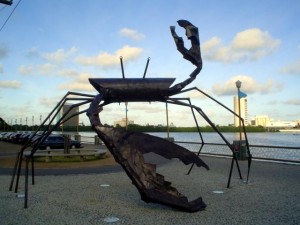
{"type": "Point", "coordinates": [58, 142]}
{"type": "Point", "coordinates": [15, 137]}
{"type": "Point", "coordinates": [24, 137]}
{"type": "Point", "coordinates": [7, 136]}
{"type": "Point", "coordinates": [35, 139]}
{"type": "Point", "coordinates": [2, 136]}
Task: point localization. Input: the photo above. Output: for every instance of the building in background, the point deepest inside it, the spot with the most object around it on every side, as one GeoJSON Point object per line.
{"type": "Point", "coordinates": [267, 122]}
{"type": "Point", "coordinates": [122, 122]}
{"type": "Point", "coordinates": [261, 121]}
{"type": "Point", "coordinates": [244, 110]}
{"type": "Point", "coordinates": [281, 124]}
{"type": "Point", "coordinates": [74, 121]}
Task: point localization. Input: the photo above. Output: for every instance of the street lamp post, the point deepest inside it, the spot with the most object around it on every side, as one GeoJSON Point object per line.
{"type": "Point", "coordinates": [126, 118]}
{"type": "Point", "coordinates": [167, 115]}
{"type": "Point", "coordinates": [238, 85]}
{"type": "Point", "coordinates": [32, 122]}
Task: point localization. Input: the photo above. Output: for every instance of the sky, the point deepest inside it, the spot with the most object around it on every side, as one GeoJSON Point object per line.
{"type": "Point", "coordinates": [48, 48]}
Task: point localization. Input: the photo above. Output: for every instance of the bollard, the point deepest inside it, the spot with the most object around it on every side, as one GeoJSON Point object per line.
{"type": "Point", "coordinates": [97, 140]}
{"type": "Point", "coordinates": [171, 139]}
{"type": "Point", "coordinates": [77, 137]}
{"type": "Point", "coordinates": [67, 144]}
{"type": "Point", "coordinates": [240, 149]}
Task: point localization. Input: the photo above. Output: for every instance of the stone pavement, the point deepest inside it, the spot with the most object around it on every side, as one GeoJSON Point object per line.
{"type": "Point", "coordinates": [271, 197]}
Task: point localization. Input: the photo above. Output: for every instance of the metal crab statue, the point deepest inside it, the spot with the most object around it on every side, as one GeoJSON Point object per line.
{"type": "Point", "coordinates": [128, 148]}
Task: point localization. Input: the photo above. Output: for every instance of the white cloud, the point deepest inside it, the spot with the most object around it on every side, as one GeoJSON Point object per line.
{"type": "Point", "coordinates": [80, 83]}
{"type": "Point", "coordinates": [60, 55]}
{"type": "Point", "coordinates": [48, 102]}
{"type": "Point", "coordinates": [249, 85]}
{"type": "Point", "coordinates": [293, 68]}
{"type": "Point", "coordinates": [25, 70]}
{"type": "Point", "coordinates": [46, 69]}
{"type": "Point", "coordinates": [24, 110]}
{"type": "Point", "coordinates": [105, 59]}
{"type": "Point", "coordinates": [254, 39]}
{"type": "Point", "coordinates": [196, 95]}
{"type": "Point", "coordinates": [42, 69]}
{"type": "Point", "coordinates": [1, 68]}
{"type": "Point", "coordinates": [14, 84]}
{"type": "Point", "coordinates": [132, 34]}
{"type": "Point", "coordinates": [67, 73]}
{"type": "Point", "coordinates": [145, 107]}
{"type": "Point", "coordinates": [211, 43]}
{"type": "Point", "coordinates": [251, 44]}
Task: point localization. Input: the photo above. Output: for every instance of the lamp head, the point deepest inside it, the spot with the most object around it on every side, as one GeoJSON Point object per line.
{"type": "Point", "coordinates": [238, 84]}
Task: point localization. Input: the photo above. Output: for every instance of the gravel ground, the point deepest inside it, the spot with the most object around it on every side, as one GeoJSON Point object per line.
{"type": "Point", "coordinates": [271, 197]}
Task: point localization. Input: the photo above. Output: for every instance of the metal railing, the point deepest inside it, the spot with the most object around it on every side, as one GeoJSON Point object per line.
{"type": "Point", "coordinates": [262, 152]}
{"type": "Point", "coordinates": [276, 153]}
{"type": "Point", "coordinates": [87, 139]}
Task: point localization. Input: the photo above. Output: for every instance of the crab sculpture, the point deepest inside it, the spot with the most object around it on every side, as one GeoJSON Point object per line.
{"type": "Point", "coordinates": [127, 147]}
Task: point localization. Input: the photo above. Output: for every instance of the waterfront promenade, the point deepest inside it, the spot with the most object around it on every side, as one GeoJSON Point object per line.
{"type": "Point", "coordinates": [271, 197]}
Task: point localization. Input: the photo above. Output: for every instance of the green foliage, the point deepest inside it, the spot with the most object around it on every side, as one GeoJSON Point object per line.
{"type": "Point", "coordinates": [134, 127]}
{"type": "Point", "coordinates": [151, 128]}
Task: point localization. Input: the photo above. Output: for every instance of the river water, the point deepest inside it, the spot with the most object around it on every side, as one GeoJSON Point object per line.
{"type": "Point", "coordinates": [277, 139]}
{"type": "Point", "coordinates": [286, 139]}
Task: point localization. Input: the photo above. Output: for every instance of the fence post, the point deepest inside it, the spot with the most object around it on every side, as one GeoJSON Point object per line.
{"type": "Point", "coordinates": [77, 137]}
{"type": "Point", "coordinates": [240, 149]}
{"type": "Point", "coordinates": [97, 140]}
{"type": "Point", "coordinates": [67, 144]}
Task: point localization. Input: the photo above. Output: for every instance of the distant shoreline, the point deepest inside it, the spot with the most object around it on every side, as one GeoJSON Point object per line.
{"type": "Point", "coordinates": [290, 130]}
{"type": "Point", "coordinates": [150, 128]}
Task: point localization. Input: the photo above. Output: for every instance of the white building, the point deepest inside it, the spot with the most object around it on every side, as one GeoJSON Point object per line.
{"type": "Point", "coordinates": [244, 110]}
{"type": "Point", "coordinates": [74, 121]}
{"type": "Point", "coordinates": [261, 120]}
{"type": "Point", "coordinates": [267, 122]}
{"type": "Point", "coordinates": [281, 124]}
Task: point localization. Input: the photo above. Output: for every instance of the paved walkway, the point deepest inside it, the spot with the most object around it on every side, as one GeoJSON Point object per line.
{"type": "Point", "coordinates": [271, 197]}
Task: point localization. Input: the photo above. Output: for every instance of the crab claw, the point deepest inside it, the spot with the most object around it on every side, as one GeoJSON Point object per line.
{"type": "Point", "coordinates": [191, 31]}
{"type": "Point", "coordinates": [193, 54]}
